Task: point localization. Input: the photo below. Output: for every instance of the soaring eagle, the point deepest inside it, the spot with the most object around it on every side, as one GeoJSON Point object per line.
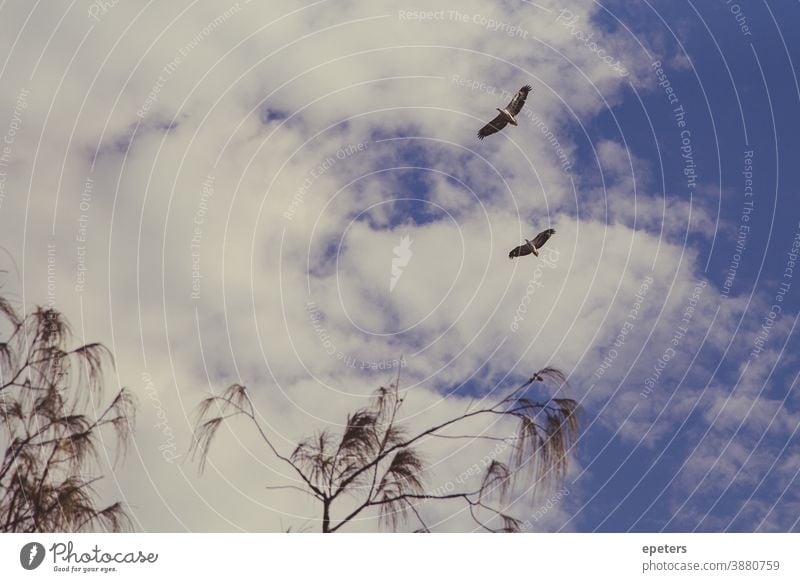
{"type": "Point", "coordinates": [507, 115]}
{"type": "Point", "coordinates": [532, 246]}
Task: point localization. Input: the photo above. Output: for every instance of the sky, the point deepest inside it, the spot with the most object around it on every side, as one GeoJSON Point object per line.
{"type": "Point", "coordinates": [291, 196]}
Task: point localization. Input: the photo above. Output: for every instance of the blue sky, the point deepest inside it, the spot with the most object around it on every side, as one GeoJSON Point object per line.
{"type": "Point", "coordinates": [739, 94]}
{"type": "Point", "coordinates": [334, 131]}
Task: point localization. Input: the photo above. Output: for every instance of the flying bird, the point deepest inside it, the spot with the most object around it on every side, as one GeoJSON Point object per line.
{"type": "Point", "coordinates": [507, 115]}
{"type": "Point", "coordinates": [532, 247]}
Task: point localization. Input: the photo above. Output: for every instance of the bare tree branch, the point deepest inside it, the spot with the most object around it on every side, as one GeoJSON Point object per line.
{"type": "Point", "coordinates": [50, 443]}
{"type": "Point", "coordinates": [377, 462]}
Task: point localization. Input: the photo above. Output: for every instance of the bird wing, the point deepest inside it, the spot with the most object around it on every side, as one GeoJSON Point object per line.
{"type": "Point", "coordinates": [520, 251]}
{"type": "Point", "coordinates": [515, 105]}
{"type": "Point", "coordinates": [543, 237]}
{"type": "Point", "coordinates": [493, 126]}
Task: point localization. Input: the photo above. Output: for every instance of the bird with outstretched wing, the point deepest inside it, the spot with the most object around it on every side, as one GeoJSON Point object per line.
{"type": "Point", "coordinates": [507, 115]}
{"type": "Point", "coordinates": [532, 247]}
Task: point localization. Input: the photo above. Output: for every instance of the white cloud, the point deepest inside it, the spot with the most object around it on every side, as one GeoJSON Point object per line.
{"type": "Point", "coordinates": [260, 104]}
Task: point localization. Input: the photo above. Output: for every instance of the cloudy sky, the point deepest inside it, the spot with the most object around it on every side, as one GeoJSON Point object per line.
{"type": "Point", "coordinates": [290, 195]}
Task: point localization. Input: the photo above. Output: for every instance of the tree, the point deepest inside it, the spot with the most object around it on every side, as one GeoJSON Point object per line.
{"type": "Point", "coordinates": [50, 445]}
{"type": "Point", "coordinates": [380, 463]}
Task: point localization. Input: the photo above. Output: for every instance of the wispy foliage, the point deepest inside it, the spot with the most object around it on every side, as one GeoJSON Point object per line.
{"type": "Point", "coordinates": [50, 445]}
{"type": "Point", "coordinates": [379, 464]}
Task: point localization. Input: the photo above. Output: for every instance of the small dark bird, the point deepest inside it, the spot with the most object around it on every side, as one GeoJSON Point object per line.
{"type": "Point", "coordinates": [532, 247]}
{"type": "Point", "coordinates": [507, 115]}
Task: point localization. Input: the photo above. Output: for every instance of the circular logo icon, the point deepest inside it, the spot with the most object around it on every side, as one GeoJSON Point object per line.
{"type": "Point", "coordinates": [31, 555]}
